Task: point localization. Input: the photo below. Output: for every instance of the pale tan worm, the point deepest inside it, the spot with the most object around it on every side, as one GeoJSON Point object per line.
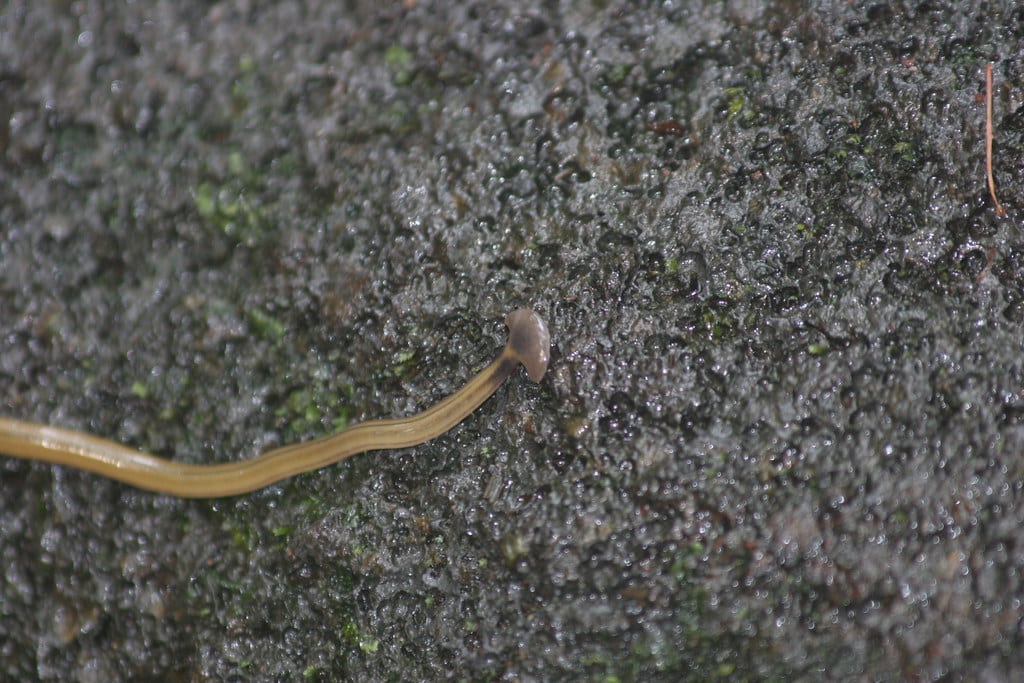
{"type": "Point", "coordinates": [528, 344]}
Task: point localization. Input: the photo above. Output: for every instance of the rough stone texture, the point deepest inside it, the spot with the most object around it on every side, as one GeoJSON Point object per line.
{"type": "Point", "coordinates": [783, 432]}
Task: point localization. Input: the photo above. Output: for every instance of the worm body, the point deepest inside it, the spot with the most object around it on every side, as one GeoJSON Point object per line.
{"type": "Point", "coordinates": [528, 344]}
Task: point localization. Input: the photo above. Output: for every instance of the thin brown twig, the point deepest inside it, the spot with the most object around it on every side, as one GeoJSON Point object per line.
{"type": "Point", "coordinates": [988, 139]}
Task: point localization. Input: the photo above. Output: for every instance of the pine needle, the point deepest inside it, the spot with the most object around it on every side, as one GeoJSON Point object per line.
{"type": "Point", "coordinates": [988, 139]}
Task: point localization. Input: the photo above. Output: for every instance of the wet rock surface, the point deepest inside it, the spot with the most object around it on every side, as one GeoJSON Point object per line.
{"type": "Point", "coordinates": [781, 435]}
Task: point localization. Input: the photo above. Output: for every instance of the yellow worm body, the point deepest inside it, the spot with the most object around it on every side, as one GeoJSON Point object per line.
{"type": "Point", "coordinates": [528, 344]}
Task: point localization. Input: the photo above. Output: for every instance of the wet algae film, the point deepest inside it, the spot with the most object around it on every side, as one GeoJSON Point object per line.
{"type": "Point", "coordinates": [782, 436]}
